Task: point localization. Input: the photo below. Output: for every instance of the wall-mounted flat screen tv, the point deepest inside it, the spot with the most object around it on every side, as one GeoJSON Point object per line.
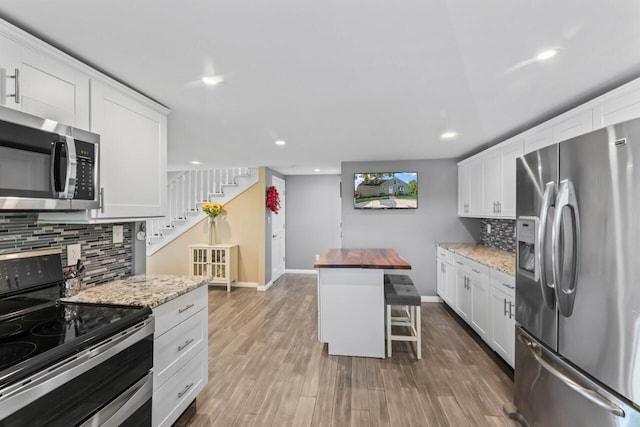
{"type": "Point", "coordinates": [385, 190]}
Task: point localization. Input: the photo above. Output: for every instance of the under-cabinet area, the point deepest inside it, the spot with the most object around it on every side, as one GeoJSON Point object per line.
{"type": "Point", "coordinates": [478, 283]}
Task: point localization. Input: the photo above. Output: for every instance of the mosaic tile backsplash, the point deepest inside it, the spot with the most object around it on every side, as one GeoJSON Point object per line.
{"type": "Point", "coordinates": [104, 261]}
{"type": "Point", "coordinates": [502, 236]}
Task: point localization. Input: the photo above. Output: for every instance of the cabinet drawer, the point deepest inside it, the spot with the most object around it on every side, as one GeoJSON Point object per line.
{"type": "Point", "coordinates": [502, 281]}
{"type": "Point", "coordinates": [170, 400]}
{"type": "Point", "coordinates": [175, 311]}
{"type": "Point", "coordinates": [179, 345]}
{"type": "Point", "coordinates": [444, 255]}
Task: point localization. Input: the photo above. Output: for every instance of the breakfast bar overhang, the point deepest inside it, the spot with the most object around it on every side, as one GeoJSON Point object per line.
{"type": "Point", "coordinates": [351, 299]}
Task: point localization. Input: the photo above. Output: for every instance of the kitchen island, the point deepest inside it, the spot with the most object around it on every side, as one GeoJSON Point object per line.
{"type": "Point", "coordinates": [351, 299]}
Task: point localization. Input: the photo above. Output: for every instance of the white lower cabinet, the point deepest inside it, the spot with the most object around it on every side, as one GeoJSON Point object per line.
{"type": "Point", "coordinates": [503, 315]}
{"type": "Point", "coordinates": [180, 354]}
{"type": "Point", "coordinates": [483, 297]}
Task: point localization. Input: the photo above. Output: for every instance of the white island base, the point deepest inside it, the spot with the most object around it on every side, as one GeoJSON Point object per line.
{"type": "Point", "coordinates": [351, 311]}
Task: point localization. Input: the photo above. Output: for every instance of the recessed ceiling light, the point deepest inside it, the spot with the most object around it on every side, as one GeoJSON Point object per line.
{"type": "Point", "coordinates": [280, 142]}
{"type": "Point", "coordinates": [448, 135]}
{"type": "Point", "coordinates": [195, 162]}
{"type": "Point", "coordinates": [316, 170]}
{"type": "Point", "coordinates": [212, 80]}
{"type": "Point", "coordinates": [543, 56]}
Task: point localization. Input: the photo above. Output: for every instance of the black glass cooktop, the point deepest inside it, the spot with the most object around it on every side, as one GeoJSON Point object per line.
{"type": "Point", "coordinates": [38, 336]}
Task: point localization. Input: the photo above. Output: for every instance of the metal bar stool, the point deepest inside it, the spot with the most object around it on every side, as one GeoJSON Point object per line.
{"type": "Point", "coordinates": [400, 292]}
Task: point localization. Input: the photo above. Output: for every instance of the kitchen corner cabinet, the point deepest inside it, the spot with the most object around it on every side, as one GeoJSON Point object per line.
{"type": "Point", "coordinates": [180, 355]}
{"type": "Point", "coordinates": [39, 84]}
{"type": "Point", "coordinates": [218, 263]}
{"type": "Point", "coordinates": [470, 187]}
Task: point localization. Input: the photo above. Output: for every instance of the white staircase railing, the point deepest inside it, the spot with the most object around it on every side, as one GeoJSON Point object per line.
{"type": "Point", "coordinates": [187, 191]}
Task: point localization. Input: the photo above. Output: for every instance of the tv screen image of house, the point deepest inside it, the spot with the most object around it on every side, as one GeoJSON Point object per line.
{"type": "Point", "coordinates": [385, 190]}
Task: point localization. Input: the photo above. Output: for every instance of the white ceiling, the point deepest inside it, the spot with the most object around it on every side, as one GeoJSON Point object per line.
{"type": "Point", "coordinates": [345, 80]}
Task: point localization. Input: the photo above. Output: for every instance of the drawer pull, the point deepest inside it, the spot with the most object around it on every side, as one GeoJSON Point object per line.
{"type": "Point", "coordinates": [185, 345]}
{"type": "Point", "coordinates": [509, 286]}
{"type": "Point", "coordinates": [186, 389]}
{"type": "Point", "coordinates": [475, 270]}
{"type": "Point", "coordinates": [182, 310]}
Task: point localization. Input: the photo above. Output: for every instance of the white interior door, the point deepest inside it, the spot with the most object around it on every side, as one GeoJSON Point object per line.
{"type": "Point", "coordinates": [277, 232]}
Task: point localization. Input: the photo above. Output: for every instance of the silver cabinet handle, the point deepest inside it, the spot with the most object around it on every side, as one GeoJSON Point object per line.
{"type": "Point", "coordinates": [499, 207]}
{"type": "Point", "coordinates": [504, 305]}
{"type": "Point", "coordinates": [16, 85]}
{"type": "Point", "coordinates": [565, 296]}
{"type": "Point", "coordinates": [186, 389]}
{"type": "Point", "coordinates": [511, 307]}
{"type": "Point", "coordinates": [458, 262]}
{"type": "Point", "coordinates": [185, 345]}
{"type": "Point", "coordinates": [509, 286]}
{"type": "Point", "coordinates": [473, 269]}
{"type": "Point", "coordinates": [101, 200]}
{"type": "Point", "coordinates": [589, 394]}
{"type": "Point", "coordinates": [187, 307]}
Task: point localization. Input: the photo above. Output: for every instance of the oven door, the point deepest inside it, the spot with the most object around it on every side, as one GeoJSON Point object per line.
{"type": "Point", "coordinates": [108, 384]}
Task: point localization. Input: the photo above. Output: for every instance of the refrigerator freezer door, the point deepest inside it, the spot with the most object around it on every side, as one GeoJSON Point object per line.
{"type": "Point", "coordinates": [549, 392]}
{"type": "Point", "coordinates": [536, 180]}
{"type": "Point", "coordinates": [601, 335]}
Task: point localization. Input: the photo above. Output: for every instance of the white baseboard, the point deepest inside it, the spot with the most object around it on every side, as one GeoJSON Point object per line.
{"type": "Point", "coordinates": [298, 271]}
{"type": "Point", "coordinates": [265, 287]}
{"type": "Point", "coordinates": [430, 299]}
{"type": "Point", "coordinates": [237, 284]}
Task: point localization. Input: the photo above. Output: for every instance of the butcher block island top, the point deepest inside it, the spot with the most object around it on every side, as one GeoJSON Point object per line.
{"type": "Point", "coordinates": [151, 290]}
{"type": "Point", "coordinates": [387, 259]}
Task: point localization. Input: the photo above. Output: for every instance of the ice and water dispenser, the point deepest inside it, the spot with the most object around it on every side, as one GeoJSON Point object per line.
{"type": "Point", "coordinates": [526, 231]}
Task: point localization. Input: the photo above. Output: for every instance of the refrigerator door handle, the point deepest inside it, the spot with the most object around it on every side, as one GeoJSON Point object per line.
{"type": "Point", "coordinates": [565, 296]}
{"type": "Point", "coordinates": [587, 393]}
{"type": "Point", "coordinates": [547, 202]}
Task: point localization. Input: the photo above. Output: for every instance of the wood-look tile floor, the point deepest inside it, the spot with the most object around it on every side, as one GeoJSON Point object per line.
{"type": "Point", "coordinates": [266, 368]}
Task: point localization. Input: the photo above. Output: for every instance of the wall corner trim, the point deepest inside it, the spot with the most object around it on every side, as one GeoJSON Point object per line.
{"type": "Point", "coordinates": [265, 287]}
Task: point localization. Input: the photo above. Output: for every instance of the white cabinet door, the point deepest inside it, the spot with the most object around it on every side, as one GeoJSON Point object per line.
{"type": "Point", "coordinates": [476, 187]}
{"type": "Point", "coordinates": [510, 153]}
{"type": "Point", "coordinates": [463, 291]}
{"type": "Point", "coordinates": [492, 183]}
{"type": "Point", "coordinates": [463, 189]}
{"type": "Point", "coordinates": [45, 86]}
{"type": "Point", "coordinates": [573, 123]}
{"type": "Point", "coordinates": [133, 151]}
{"type": "Point", "coordinates": [618, 105]}
{"type": "Point", "coordinates": [480, 315]}
{"type": "Point", "coordinates": [537, 138]}
{"type": "Point", "coordinates": [441, 278]}
{"type": "Point", "coordinates": [450, 284]}
{"type": "Point", "coordinates": [502, 324]}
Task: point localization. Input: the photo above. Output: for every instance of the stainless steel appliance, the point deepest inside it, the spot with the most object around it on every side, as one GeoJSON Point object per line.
{"type": "Point", "coordinates": [45, 165]}
{"type": "Point", "coordinates": [65, 364]}
{"type": "Point", "coordinates": [578, 281]}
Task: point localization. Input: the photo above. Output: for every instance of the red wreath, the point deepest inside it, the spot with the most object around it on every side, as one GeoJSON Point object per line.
{"type": "Point", "coordinates": [273, 199]}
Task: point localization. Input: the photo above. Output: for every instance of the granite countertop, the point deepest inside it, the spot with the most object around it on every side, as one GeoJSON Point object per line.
{"type": "Point", "coordinates": [491, 257]}
{"type": "Point", "coordinates": [146, 290]}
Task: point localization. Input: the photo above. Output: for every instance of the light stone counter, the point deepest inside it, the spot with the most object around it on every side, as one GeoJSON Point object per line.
{"type": "Point", "coordinates": [495, 258]}
{"type": "Point", "coordinates": [146, 290]}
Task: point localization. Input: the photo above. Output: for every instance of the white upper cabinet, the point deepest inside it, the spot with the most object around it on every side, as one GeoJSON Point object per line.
{"type": "Point", "coordinates": [492, 182]}
{"type": "Point", "coordinates": [133, 148]}
{"type": "Point", "coordinates": [537, 138]}
{"type": "Point", "coordinates": [576, 122]}
{"type": "Point", "coordinates": [470, 188]}
{"type": "Point", "coordinates": [463, 189]}
{"type": "Point", "coordinates": [617, 106]}
{"type": "Point", "coordinates": [40, 84]}
{"type": "Point", "coordinates": [510, 153]}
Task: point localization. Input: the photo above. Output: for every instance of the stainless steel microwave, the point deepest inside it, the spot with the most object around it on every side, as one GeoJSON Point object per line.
{"type": "Point", "coordinates": [45, 165]}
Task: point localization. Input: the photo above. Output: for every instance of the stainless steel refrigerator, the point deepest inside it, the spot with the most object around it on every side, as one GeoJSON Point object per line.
{"type": "Point", "coordinates": [577, 357]}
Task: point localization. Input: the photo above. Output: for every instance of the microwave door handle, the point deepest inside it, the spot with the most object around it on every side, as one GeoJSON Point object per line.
{"type": "Point", "coordinates": [540, 256]}
{"type": "Point", "coordinates": [56, 180]}
{"type": "Point", "coordinates": [72, 169]}
{"type": "Point", "coordinates": [565, 296]}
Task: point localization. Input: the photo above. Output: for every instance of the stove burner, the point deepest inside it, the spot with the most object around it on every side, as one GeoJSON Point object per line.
{"type": "Point", "coordinates": [48, 329]}
{"type": "Point", "coordinates": [37, 315]}
{"type": "Point", "coordinates": [14, 352]}
{"type": "Point", "coordinates": [8, 329]}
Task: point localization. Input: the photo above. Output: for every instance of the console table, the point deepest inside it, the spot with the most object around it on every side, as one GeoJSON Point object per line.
{"type": "Point", "coordinates": [351, 299]}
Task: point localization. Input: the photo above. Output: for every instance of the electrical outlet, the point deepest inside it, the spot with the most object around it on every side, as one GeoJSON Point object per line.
{"type": "Point", "coordinates": [317, 257]}
{"type": "Point", "coordinates": [488, 228]}
{"type": "Point", "coordinates": [73, 254]}
{"type": "Point", "coordinates": [117, 234]}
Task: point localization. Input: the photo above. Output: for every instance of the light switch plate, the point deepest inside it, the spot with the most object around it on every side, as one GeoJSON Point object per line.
{"type": "Point", "coordinates": [488, 228]}
{"type": "Point", "coordinates": [117, 234]}
{"type": "Point", "coordinates": [73, 254]}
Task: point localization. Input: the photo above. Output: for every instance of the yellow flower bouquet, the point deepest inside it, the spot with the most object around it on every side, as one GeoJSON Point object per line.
{"type": "Point", "coordinates": [213, 209]}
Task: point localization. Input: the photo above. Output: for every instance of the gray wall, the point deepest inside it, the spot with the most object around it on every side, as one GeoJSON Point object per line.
{"type": "Point", "coordinates": [313, 218]}
{"type": "Point", "coordinates": [413, 233]}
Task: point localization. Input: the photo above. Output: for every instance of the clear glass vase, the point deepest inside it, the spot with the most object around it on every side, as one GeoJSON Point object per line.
{"type": "Point", "coordinates": [213, 231]}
